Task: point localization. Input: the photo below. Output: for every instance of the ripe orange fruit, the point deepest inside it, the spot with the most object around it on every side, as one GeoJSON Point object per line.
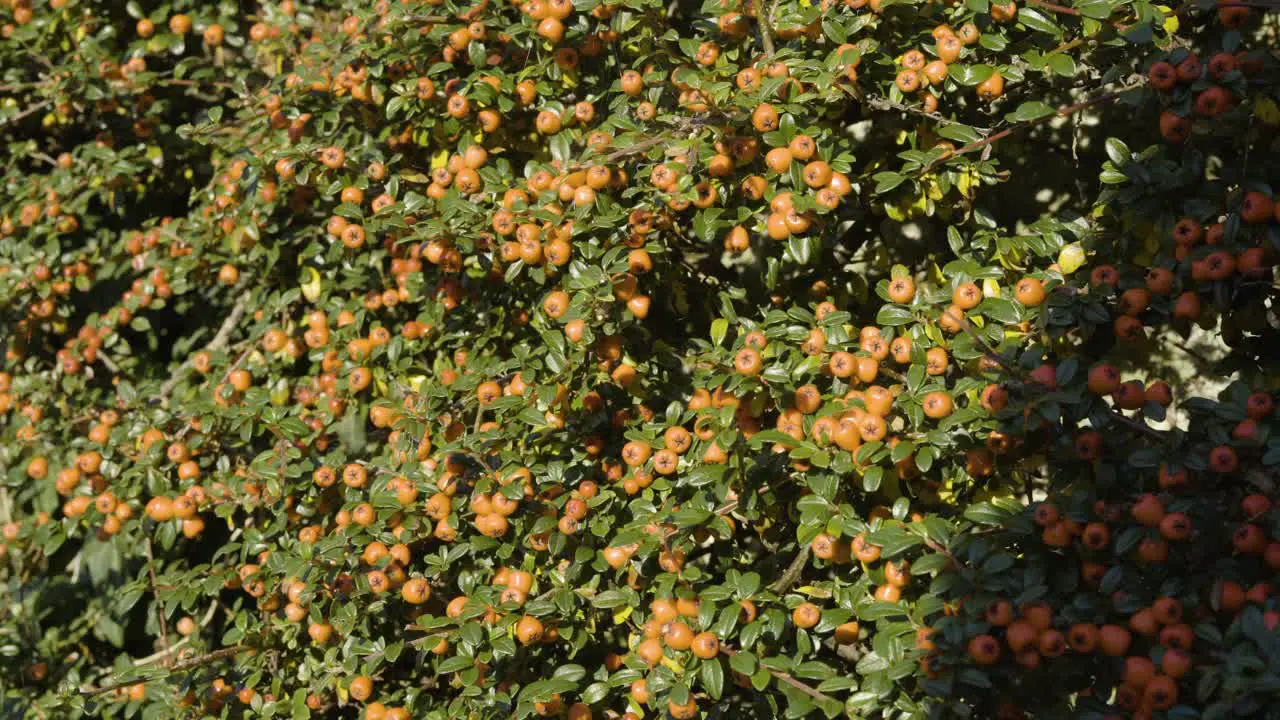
{"type": "Point", "coordinates": [1160, 692]}
{"type": "Point", "coordinates": [764, 118]}
{"type": "Point", "coordinates": [993, 87]}
{"type": "Point", "coordinates": [1029, 291]}
{"type": "Point", "coordinates": [806, 615]}
{"type": "Point", "coordinates": [529, 630]}
{"type": "Point", "coordinates": [677, 636]}
{"type": "Point", "coordinates": [706, 645]}
{"type": "Point", "coordinates": [1113, 640]}
{"type": "Point", "coordinates": [361, 687]}
{"type": "Point", "coordinates": [984, 649]}
{"type": "Point", "coordinates": [937, 405]}
{"type": "Point", "coordinates": [1174, 128]}
{"type": "Point", "coordinates": [1083, 637]}
{"type": "Point", "coordinates": [902, 290]}
{"type": "Point", "coordinates": [650, 652]}
{"type": "Point", "coordinates": [1162, 75]}
{"type": "Point", "coordinates": [999, 612]}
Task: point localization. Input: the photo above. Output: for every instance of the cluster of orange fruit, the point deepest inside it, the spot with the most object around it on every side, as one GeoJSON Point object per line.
{"type": "Point", "coordinates": [1184, 73]}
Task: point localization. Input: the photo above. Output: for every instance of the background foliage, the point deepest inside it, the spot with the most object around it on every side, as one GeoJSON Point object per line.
{"type": "Point", "coordinates": [637, 359]}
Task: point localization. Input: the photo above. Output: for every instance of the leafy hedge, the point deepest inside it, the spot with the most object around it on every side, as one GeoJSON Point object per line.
{"type": "Point", "coordinates": [638, 359]}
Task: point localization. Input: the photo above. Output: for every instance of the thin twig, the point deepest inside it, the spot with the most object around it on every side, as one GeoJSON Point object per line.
{"type": "Point", "coordinates": [33, 109]}
{"type": "Point", "coordinates": [108, 363]}
{"type": "Point", "coordinates": [23, 85]}
{"type": "Point", "coordinates": [1139, 426]}
{"type": "Point", "coordinates": [879, 103]}
{"type": "Point", "coordinates": [153, 657]}
{"type": "Point", "coordinates": [733, 504]}
{"type": "Point", "coordinates": [1018, 372]}
{"type": "Point", "coordinates": [185, 665]}
{"type": "Point", "coordinates": [42, 157]}
{"type": "Point", "coordinates": [637, 148]}
{"type": "Point", "coordinates": [766, 30]}
{"type": "Point", "coordinates": [990, 351]}
{"type": "Point", "coordinates": [1060, 9]}
{"type": "Point", "coordinates": [790, 680]}
{"type": "Point", "coordinates": [219, 341]}
{"type": "Point", "coordinates": [985, 143]}
{"type": "Point", "coordinates": [792, 573]}
{"type": "Point", "coordinates": [151, 571]}
{"type": "Point", "coordinates": [194, 83]}
{"type": "Point", "coordinates": [1064, 111]}
{"type": "Point", "coordinates": [1268, 6]}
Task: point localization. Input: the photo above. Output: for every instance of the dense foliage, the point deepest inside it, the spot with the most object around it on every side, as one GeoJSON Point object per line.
{"type": "Point", "coordinates": [637, 359]}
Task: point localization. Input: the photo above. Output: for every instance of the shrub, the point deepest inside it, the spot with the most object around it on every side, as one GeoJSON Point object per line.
{"type": "Point", "coordinates": [638, 359]}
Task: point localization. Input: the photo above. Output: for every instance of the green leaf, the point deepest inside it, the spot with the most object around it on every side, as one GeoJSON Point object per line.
{"type": "Point", "coordinates": [299, 705]}
{"type": "Point", "coordinates": [1028, 111]}
{"type": "Point", "coordinates": [1001, 310]}
{"type": "Point", "coordinates": [612, 599]}
{"type": "Point", "coordinates": [970, 74]}
{"type": "Point", "coordinates": [1062, 64]}
{"type": "Point", "coordinates": [1037, 20]}
{"type": "Point", "coordinates": [595, 692]}
{"type": "Point", "coordinates": [743, 662]}
{"type": "Point", "coordinates": [871, 663]}
{"type": "Point", "coordinates": [928, 564]}
{"type": "Point", "coordinates": [1113, 177]}
{"type": "Point", "coordinates": [1118, 151]}
{"type": "Point", "coordinates": [834, 30]}
{"type": "Point", "coordinates": [713, 678]}
{"type": "Point", "coordinates": [974, 677]}
{"type": "Point", "coordinates": [984, 513]}
{"type": "Point", "coordinates": [959, 133]}
{"type": "Point", "coordinates": [894, 315]}
{"type": "Point", "coordinates": [871, 479]}
{"type": "Point", "coordinates": [886, 181]}
{"type": "Point", "coordinates": [925, 458]}
{"type": "Point", "coordinates": [719, 328]}
{"type": "Point", "coordinates": [1146, 458]}
{"type": "Point", "coordinates": [455, 664]}
{"type": "Point", "coordinates": [1096, 9]}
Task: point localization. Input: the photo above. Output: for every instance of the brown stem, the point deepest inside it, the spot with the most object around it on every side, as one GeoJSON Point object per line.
{"type": "Point", "coordinates": [164, 626]}
{"type": "Point", "coordinates": [193, 83]}
{"type": "Point", "coordinates": [181, 643]}
{"type": "Point", "coordinates": [1068, 45]}
{"type": "Point", "coordinates": [1017, 372]}
{"type": "Point", "coordinates": [1235, 3]}
{"type": "Point", "coordinates": [426, 638]}
{"type": "Point", "coordinates": [790, 680]}
{"type": "Point", "coordinates": [24, 85]}
{"type": "Point", "coordinates": [990, 351]}
{"type": "Point", "coordinates": [879, 103]}
{"type": "Point", "coordinates": [792, 573]}
{"type": "Point", "coordinates": [733, 504]}
{"type": "Point", "coordinates": [1064, 111]}
{"type": "Point", "coordinates": [219, 341]}
{"type": "Point", "coordinates": [33, 109]}
{"type": "Point", "coordinates": [185, 665]}
{"type": "Point", "coordinates": [766, 30]}
{"type": "Point", "coordinates": [1141, 427]}
{"type": "Point", "coordinates": [1060, 9]}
